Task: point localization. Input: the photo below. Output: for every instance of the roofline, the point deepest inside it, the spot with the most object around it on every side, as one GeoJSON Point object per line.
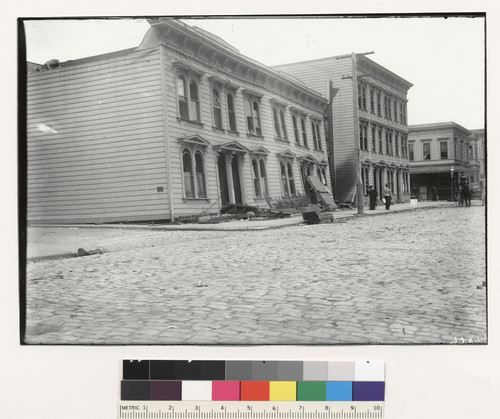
{"type": "Point", "coordinates": [234, 52]}
{"type": "Point", "coordinates": [438, 125]}
{"type": "Point", "coordinates": [359, 56]}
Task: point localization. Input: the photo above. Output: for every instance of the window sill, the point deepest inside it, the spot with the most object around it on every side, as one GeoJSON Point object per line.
{"type": "Point", "coordinates": [217, 129]}
{"type": "Point", "coordinates": [196, 199]}
{"type": "Point", "coordinates": [233, 133]}
{"type": "Point", "coordinates": [254, 136]}
{"type": "Point", "coordinates": [280, 140]}
{"type": "Point", "coordinates": [189, 121]}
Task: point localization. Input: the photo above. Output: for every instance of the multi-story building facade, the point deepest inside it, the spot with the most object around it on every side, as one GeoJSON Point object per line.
{"type": "Point", "coordinates": [179, 126]}
{"type": "Point", "coordinates": [478, 136]}
{"type": "Point", "coordinates": [369, 133]}
{"type": "Point", "coordinates": [440, 155]}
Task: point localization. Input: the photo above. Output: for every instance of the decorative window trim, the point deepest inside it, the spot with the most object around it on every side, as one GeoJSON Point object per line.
{"type": "Point", "coordinates": [260, 184]}
{"type": "Point", "coordinates": [188, 107]}
{"type": "Point", "coordinates": [253, 116]}
{"type": "Point", "coordinates": [197, 181]}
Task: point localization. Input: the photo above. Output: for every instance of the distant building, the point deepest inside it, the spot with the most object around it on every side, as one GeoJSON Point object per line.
{"type": "Point", "coordinates": [439, 154]}
{"type": "Point", "coordinates": [177, 127]}
{"type": "Point", "coordinates": [369, 133]}
{"type": "Point", "coordinates": [480, 152]}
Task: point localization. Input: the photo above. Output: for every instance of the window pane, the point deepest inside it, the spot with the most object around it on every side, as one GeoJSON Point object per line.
{"type": "Point", "coordinates": [188, 174]}
{"type": "Point", "coordinates": [194, 105]}
{"type": "Point", "coordinates": [277, 131]}
{"type": "Point", "coordinates": [256, 180]}
{"type": "Point", "coordinates": [200, 176]}
{"type": "Point", "coordinates": [284, 181]}
{"type": "Point", "coordinates": [256, 118]}
{"type": "Point", "coordinates": [304, 133]}
{"type": "Point", "coordinates": [427, 151]}
{"type": "Point", "coordinates": [290, 179]}
{"type": "Point", "coordinates": [283, 125]}
{"type": "Point", "coordinates": [444, 150]}
{"type": "Point", "coordinates": [263, 177]}
{"type": "Point", "coordinates": [231, 112]}
{"type": "Point", "coordinates": [295, 129]}
{"type": "Point", "coordinates": [216, 109]}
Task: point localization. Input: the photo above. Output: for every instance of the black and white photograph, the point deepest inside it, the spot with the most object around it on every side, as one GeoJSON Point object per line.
{"type": "Point", "coordinates": [253, 180]}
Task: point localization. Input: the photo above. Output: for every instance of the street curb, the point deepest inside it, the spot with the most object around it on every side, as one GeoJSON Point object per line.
{"type": "Point", "coordinates": [214, 227]}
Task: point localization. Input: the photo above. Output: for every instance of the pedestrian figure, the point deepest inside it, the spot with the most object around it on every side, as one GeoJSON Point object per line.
{"type": "Point", "coordinates": [387, 197]}
{"type": "Point", "coordinates": [434, 193]}
{"type": "Point", "coordinates": [372, 193]}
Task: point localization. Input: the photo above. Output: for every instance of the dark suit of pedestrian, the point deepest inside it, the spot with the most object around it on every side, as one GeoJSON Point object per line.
{"type": "Point", "coordinates": [372, 193]}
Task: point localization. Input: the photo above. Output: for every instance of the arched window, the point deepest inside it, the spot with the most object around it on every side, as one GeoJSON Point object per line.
{"type": "Point", "coordinates": [296, 129]}
{"type": "Point", "coordinates": [200, 176]}
{"type": "Point", "coordinates": [253, 117]}
{"type": "Point", "coordinates": [182, 97]}
{"type": "Point", "coordinates": [187, 166]}
{"type": "Point", "coordinates": [283, 125]}
{"type": "Point", "coordinates": [216, 108]}
{"type": "Point", "coordinates": [231, 112]}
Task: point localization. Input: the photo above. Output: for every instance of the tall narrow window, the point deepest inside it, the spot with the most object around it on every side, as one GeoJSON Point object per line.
{"type": "Point", "coordinates": [256, 117]}
{"type": "Point", "coordinates": [283, 125]}
{"type": "Point", "coordinates": [200, 176]}
{"type": "Point", "coordinates": [443, 147]}
{"type": "Point", "coordinates": [411, 155]}
{"type": "Point", "coordinates": [304, 133]}
{"type": "Point", "coordinates": [188, 174]}
{"type": "Point", "coordinates": [320, 146]}
{"type": "Point", "coordinates": [387, 144]}
{"type": "Point", "coordinates": [256, 178]}
{"type": "Point", "coordinates": [216, 109]}
{"type": "Point", "coordinates": [426, 151]}
{"type": "Point", "coordinates": [372, 101]}
{"type": "Point", "coordinates": [231, 113]}
{"type": "Point", "coordinates": [284, 182]}
{"type": "Point", "coordinates": [315, 137]}
{"type": "Point", "coordinates": [396, 143]}
{"type": "Point", "coordinates": [379, 105]}
{"type": "Point", "coordinates": [290, 178]}
{"type": "Point", "coordinates": [396, 110]}
{"type": "Point", "coordinates": [253, 117]}
{"type": "Point", "coordinates": [277, 130]}
{"type": "Point", "coordinates": [182, 97]}
{"type": "Point", "coordinates": [380, 142]}
{"type": "Point", "coordinates": [194, 101]}
{"type": "Point", "coordinates": [296, 129]}
{"type": "Point", "coordinates": [360, 136]}
{"type": "Point", "coordinates": [374, 140]}
{"type": "Point", "coordinates": [263, 177]}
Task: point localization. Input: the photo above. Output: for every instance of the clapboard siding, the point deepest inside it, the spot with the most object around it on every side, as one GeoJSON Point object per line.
{"type": "Point", "coordinates": [96, 148]}
{"type": "Point", "coordinates": [316, 75]}
{"type": "Point", "coordinates": [179, 129]}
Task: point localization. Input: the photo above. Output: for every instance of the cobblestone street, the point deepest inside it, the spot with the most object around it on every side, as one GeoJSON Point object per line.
{"type": "Point", "coordinates": [412, 277]}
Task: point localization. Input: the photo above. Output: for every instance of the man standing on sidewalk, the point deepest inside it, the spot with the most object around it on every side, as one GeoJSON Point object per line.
{"type": "Point", "coordinates": [387, 196]}
{"type": "Point", "coordinates": [372, 193]}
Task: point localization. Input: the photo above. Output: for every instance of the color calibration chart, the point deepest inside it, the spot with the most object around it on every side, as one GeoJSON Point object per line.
{"type": "Point", "coordinates": [180, 389]}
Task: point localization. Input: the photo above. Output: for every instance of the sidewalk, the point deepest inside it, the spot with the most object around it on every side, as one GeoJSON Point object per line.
{"type": "Point", "coordinates": [45, 244]}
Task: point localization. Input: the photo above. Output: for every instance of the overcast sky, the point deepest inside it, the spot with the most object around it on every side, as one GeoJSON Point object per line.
{"type": "Point", "coordinates": [442, 58]}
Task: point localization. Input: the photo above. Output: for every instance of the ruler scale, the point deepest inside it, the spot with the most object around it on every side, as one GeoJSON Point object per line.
{"type": "Point", "coordinates": [250, 410]}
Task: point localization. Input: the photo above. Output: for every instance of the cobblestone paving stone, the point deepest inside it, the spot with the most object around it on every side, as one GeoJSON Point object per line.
{"type": "Point", "coordinates": [408, 277]}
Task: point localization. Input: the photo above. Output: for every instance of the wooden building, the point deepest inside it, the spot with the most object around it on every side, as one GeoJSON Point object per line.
{"type": "Point", "coordinates": [179, 126]}
{"type": "Point", "coordinates": [369, 135]}
{"type": "Point", "coordinates": [440, 154]}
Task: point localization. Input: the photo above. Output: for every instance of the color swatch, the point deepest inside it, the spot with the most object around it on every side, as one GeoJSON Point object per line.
{"type": "Point", "coordinates": [253, 380]}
